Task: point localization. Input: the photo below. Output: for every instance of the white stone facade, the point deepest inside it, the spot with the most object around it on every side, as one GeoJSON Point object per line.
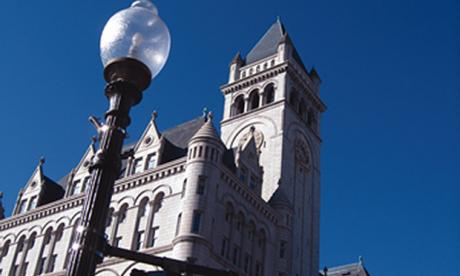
{"type": "Point", "coordinates": [247, 200]}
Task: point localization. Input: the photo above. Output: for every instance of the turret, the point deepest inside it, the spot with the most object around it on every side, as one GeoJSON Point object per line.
{"type": "Point", "coordinates": [235, 65]}
{"type": "Point", "coordinates": [205, 151]}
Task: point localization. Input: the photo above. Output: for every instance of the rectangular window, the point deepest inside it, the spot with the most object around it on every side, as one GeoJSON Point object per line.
{"type": "Point", "coordinates": [236, 255]}
{"type": "Point", "coordinates": [151, 161]}
{"type": "Point", "coordinates": [223, 249]}
{"type": "Point", "coordinates": [179, 219]}
{"type": "Point", "coordinates": [154, 236]}
{"type": "Point", "coordinates": [201, 185]}
{"type": "Point", "coordinates": [32, 203]}
{"type": "Point", "coordinates": [258, 269]}
{"type": "Point", "coordinates": [184, 187]}
{"type": "Point", "coordinates": [140, 236]}
{"type": "Point", "coordinates": [196, 222]}
{"type": "Point", "coordinates": [283, 249]}
{"type": "Point", "coordinates": [85, 183]}
{"type": "Point", "coordinates": [22, 207]}
{"type": "Point", "coordinates": [76, 187]}
{"type": "Point", "coordinates": [52, 263]}
{"type": "Point", "coordinates": [247, 263]}
{"type": "Point", "coordinates": [137, 166]}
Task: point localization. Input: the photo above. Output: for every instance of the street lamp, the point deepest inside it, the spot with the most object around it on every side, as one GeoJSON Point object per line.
{"type": "Point", "coordinates": [134, 46]}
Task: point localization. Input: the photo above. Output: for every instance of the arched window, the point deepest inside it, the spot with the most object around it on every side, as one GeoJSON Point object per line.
{"type": "Point", "coordinates": [269, 93]}
{"type": "Point", "coordinates": [179, 220]}
{"type": "Point", "coordinates": [238, 105]}
{"type": "Point", "coordinates": [71, 241]}
{"type": "Point", "coordinates": [243, 74]}
{"type": "Point", "coordinates": [120, 218]}
{"type": "Point", "coordinates": [251, 231]}
{"type": "Point", "coordinates": [153, 228]}
{"type": "Point", "coordinates": [15, 265]}
{"type": "Point", "coordinates": [44, 250]}
{"type": "Point", "coordinates": [4, 250]}
{"type": "Point", "coordinates": [27, 248]}
{"type": "Point", "coordinates": [141, 224]}
{"type": "Point", "coordinates": [254, 99]}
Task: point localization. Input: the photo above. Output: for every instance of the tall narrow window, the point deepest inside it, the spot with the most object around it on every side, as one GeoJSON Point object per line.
{"type": "Point", "coordinates": [224, 247]}
{"type": "Point", "coordinates": [247, 263]}
{"type": "Point", "coordinates": [140, 236]}
{"type": "Point", "coordinates": [254, 99]}
{"type": "Point", "coordinates": [154, 236]}
{"type": "Point", "coordinates": [283, 245]}
{"type": "Point", "coordinates": [151, 161]}
{"type": "Point", "coordinates": [229, 213]}
{"type": "Point", "coordinates": [184, 187]}
{"type": "Point", "coordinates": [201, 185]}
{"type": "Point", "coordinates": [85, 183]}
{"type": "Point", "coordinates": [196, 222]}
{"type": "Point", "coordinates": [22, 206]}
{"type": "Point", "coordinates": [179, 220]}
{"type": "Point", "coordinates": [137, 166]}
{"type": "Point", "coordinates": [76, 187]}
{"type": "Point", "coordinates": [5, 249]}
{"type": "Point", "coordinates": [238, 105]}
{"type": "Point", "coordinates": [32, 203]}
{"type": "Point", "coordinates": [236, 255]}
{"type": "Point", "coordinates": [269, 93]}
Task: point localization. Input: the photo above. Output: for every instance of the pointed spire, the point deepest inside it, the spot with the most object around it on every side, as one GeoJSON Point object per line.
{"type": "Point", "coordinates": [268, 44]}
{"type": "Point", "coordinates": [237, 59]}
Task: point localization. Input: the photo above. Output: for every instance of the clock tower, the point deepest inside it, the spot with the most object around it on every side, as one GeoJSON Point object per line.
{"type": "Point", "coordinates": [272, 97]}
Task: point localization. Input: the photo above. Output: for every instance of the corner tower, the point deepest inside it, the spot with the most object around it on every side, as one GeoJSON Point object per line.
{"type": "Point", "coordinates": [272, 92]}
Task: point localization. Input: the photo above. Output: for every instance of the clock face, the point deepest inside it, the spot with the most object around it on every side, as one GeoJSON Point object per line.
{"type": "Point", "coordinates": [258, 138]}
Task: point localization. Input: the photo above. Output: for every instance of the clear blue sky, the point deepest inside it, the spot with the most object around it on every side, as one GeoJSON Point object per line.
{"type": "Point", "coordinates": [391, 80]}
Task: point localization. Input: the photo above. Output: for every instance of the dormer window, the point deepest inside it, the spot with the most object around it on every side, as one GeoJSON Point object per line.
{"type": "Point", "coordinates": [151, 161]}
{"type": "Point", "coordinates": [137, 167]}
{"type": "Point", "coordinates": [22, 206]}
{"type": "Point", "coordinates": [32, 203]}
{"type": "Point", "coordinates": [85, 183]}
{"type": "Point", "coordinates": [76, 187]}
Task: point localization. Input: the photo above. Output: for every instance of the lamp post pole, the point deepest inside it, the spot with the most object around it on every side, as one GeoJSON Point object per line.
{"type": "Point", "coordinates": [126, 78]}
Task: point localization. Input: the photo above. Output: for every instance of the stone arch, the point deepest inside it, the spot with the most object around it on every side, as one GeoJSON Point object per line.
{"type": "Point", "coordinates": [296, 130]}
{"type": "Point", "coordinates": [164, 188]}
{"type": "Point", "coordinates": [267, 123]}
{"type": "Point", "coordinates": [254, 99]}
{"type": "Point", "coordinates": [141, 196]}
{"type": "Point", "coordinates": [238, 105]}
{"type": "Point", "coordinates": [125, 200]}
{"type": "Point", "coordinates": [75, 218]}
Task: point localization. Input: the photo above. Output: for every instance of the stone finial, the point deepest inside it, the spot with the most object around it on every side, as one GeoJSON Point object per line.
{"type": "Point", "coordinates": [41, 161]}
{"type": "Point", "coordinates": [154, 115]}
{"type": "Point", "coordinates": [210, 116]}
{"type": "Point", "coordinates": [93, 140]}
{"type": "Point", "coordinates": [361, 260]}
{"type": "Point", "coordinates": [1, 197]}
{"type": "Point", "coordinates": [252, 129]}
{"type": "Point", "coordinates": [205, 112]}
{"type": "Point", "coordinates": [2, 210]}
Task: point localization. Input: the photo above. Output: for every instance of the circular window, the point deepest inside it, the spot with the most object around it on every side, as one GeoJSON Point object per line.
{"type": "Point", "coordinates": [148, 140]}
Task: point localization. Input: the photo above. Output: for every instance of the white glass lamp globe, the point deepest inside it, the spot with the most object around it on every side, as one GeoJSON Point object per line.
{"type": "Point", "coordinates": [139, 33]}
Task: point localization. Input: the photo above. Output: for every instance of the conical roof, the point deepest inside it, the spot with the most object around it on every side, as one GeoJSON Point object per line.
{"type": "Point", "coordinates": [207, 131]}
{"type": "Point", "coordinates": [268, 44]}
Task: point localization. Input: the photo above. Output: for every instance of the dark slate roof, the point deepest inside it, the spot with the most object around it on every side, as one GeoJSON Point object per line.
{"type": "Point", "coordinates": [51, 192]}
{"type": "Point", "coordinates": [181, 134]}
{"type": "Point", "coordinates": [268, 44]}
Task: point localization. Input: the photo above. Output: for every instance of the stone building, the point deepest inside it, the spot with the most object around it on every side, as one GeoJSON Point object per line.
{"type": "Point", "coordinates": [246, 200]}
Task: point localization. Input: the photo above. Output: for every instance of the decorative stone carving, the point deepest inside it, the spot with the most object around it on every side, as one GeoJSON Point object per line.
{"type": "Point", "coordinates": [302, 154]}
